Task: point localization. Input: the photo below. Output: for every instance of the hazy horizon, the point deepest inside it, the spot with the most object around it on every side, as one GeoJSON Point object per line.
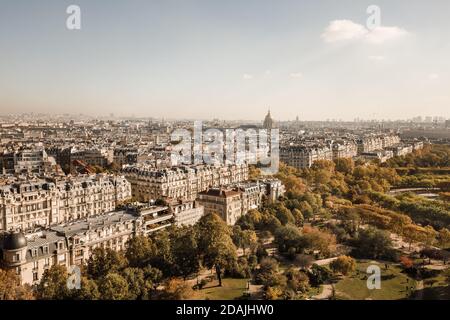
{"type": "Point", "coordinates": [205, 59]}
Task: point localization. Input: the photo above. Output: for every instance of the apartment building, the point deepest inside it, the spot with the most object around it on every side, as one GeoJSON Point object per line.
{"type": "Point", "coordinates": [185, 182]}
{"type": "Point", "coordinates": [73, 243]}
{"type": "Point", "coordinates": [234, 201]}
{"type": "Point", "coordinates": [27, 161]}
{"type": "Point", "coordinates": [25, 205]}
{"type": "Point", "coordinates": [299, 156]}
{"type": "Point", "coordinates": [226, 203]}
{"type": "Point", "coordinates": [186, 212]}
{"type": "Point", "coordinates": [94, 157]}
{"type": "Point", "coordinates": [344, 149]}
{"type": "Point", "coordinates": [376, 142]}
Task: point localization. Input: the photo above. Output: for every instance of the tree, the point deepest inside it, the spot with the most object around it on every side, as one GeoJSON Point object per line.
{"type": "Point", "coordinates": [444, 238]}
{"type": "Point", "coordinates": [88, 290]}
{"type": "Point", "coordinates": [176, 289]}
{"type": "Point", "coordinates": [304, 261]}
{"type": "Point", "coordinates": [113, 287]}
{"type": "Point", "coordinates": [298, 216]}
{"type": "Point", "coordinates": [269, 222]}
{"type": "Point", "coordinates": [344, 165]}
{"type": "Point", "coordinates": [138, 286]}
{"type": "Point", "coordinates": [102, 261]}
{"type": "Point", "coordinates": [373, 243]}
{"type": "Point", "coordinates": [268, 273]}
{"type": "Point", "coordinates": [350, 218]}
{"type": "Point", "coordinates": [139, 251]}
{"type": "Point", "coordinates": [319, 275]}
{"type": "Point", "coordinates": [237, 235]}
{"type": "Point", "coordinates": [53, 285]}
{"type": "Point", "coordinates": [306, 210]}
{"type": "Point", "coordinates": [406, 262]}
{"type": "Point", "coordinates": [273, 293]}
{"type": "Point", "coordinates": [344, 265]}
{"type": "Point", "coordinates": [399, 222]}
{"type": "Point", "coordinates": [153, 276]}
{"type": "Point", "coordinates": [284, 215]}
{"type": "Point", "coordinates": [162, 257]}
{"type": "Point", "coordinates": [298, 281]}
{"type": "Point", "coordinates": [249, 240]}
{"type": "Point", "coordinates": [321, 240]}
{"type": "Point", "coordinates": [289, 240]}
{"type": "Point", "coordinates": [10, 288]}
{"type": "Point", "coordinates": [215, 244]}
{"type": "Point", "coordinates": [185, 252]}
{"type": "Point", "coordinates": [430, 235]}
{"type": "Point", "coordinates": [415, 233]}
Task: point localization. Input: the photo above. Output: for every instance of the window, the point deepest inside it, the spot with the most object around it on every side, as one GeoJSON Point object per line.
{"type": "Point", "coordinates": [34, 252]}
{"type": "Point", "coordinates": [45, 250]}
{"type": "Point", "coordinates": [35, 276]}
{"type": "Point", "coordinates": [16, 257]}
{"type": "Point", "coordinates": [46, 262]}
{"type": "Point", "coordinates": [35, 265]}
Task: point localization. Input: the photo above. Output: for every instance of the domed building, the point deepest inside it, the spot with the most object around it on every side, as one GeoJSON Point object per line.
{"type": "Point", "coordinates": [14, 241]}
{"type": "Point", "coordinates": [268, 123]}
{"type": "Point", "coordinates": [13, 246]}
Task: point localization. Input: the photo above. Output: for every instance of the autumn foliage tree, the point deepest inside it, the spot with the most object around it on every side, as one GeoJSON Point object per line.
{"type": "Point", "coordinates": [216, 247]}
{"type": "Point", "coordinates": [11, 289]}
{"type": "Point", "coordinates": [344, 265]}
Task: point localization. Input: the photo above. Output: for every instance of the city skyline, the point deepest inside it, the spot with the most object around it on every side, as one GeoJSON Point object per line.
{"type": "Point", "coordinates": [229, 60]}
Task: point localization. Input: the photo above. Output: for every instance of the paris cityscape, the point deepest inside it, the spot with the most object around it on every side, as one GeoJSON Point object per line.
{"type": "Point", "coordinates": [166, 170]}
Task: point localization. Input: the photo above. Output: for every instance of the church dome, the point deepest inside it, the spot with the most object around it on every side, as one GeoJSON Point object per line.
{"type": "Point", "coordinates": [14, 241]}
{"type": "Point", "coordinates": [268, 121]}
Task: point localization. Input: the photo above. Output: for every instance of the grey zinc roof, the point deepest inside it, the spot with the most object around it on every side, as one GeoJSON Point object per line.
{"type": "Point", "coordinates": [70, 229]}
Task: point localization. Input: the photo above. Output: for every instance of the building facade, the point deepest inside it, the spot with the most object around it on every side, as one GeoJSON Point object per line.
{"type": "Point", "coordinates": [181, 182]}
{"type": "Point", "coordinates": [73, 243]}
{"type": "Point", "coordinates": [226, 203]}
{"type": "Point", "coordinates": [301, 157]}
{"type": "Point", "coordinates": [41, 203]}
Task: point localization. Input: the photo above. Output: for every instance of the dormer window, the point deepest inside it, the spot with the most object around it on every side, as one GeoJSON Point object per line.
{"type": "Point", "coordinates": [34, 252]}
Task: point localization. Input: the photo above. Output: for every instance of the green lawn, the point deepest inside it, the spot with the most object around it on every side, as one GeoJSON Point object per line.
{"type": "Point", "coordinates": [230, 290]}
{"type": "Point", "coordinates": [393, 284]}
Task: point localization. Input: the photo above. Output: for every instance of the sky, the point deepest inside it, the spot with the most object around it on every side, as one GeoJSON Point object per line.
{"type": "Point", "coordinates": [234, 59]}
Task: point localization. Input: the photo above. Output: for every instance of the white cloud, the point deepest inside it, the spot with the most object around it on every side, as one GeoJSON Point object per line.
{"type": "Point", "coordinates": [296, 75]}
{"type": "Point", "coordinates": [433, 76]}
{"type": "Point", "coordinates": [382, 34]}
{"type": "Point", "coordinates": [342, 30]}
{"type": "Point", "coordinates": [347, 30]}
{"type": "Point", "coordinates": [247, 76]}
{"type": "Point", "coordinates": [377, 58]}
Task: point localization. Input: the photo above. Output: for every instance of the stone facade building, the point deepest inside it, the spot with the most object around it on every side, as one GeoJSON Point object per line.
{"type": "Point", "coordinates": [72, 243]}
{"type": "Point", "coordinates": [300, 157]}
{"type": "Point", "coordinates": [186, 212]}
{"type": "Point", "coordinates": [185, 182]}
{"type": "Point", "coordinates": [226, 203]}
{"type": "Point", "coordinates": [234, 201]}
{"type": "Point", "coordinates": [27, 205]}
